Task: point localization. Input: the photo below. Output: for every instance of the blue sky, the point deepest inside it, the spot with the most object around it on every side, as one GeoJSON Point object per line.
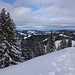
{"type": "Point", "coordinates": [9, 1]}
{"type": "Point", "coordinates": [41, 14]}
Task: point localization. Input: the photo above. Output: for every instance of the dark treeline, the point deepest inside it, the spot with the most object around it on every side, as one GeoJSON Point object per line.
{"type": "Point", "coordinates": [37, 45]}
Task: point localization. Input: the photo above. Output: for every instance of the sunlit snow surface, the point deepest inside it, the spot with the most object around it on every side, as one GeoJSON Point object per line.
{"type": "Point", "coordinates": [57, 63]}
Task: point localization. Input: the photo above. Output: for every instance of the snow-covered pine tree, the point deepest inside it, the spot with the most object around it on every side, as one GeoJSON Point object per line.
{"type": "Point", "coordinates": [63, 43]}
{"type": "Point", "coordinates": [38, 48]}
{"type": "Point", "coordinates": [69, 41]}
{"type": "Point", "coordinates": [51, 43]}
{"type": "Point", "coordinates": [26, 51]}
{"type": "Point", "coordinates": [42, 48]}
{"type": "Point", "coordinates": [58, 48]}
{"type": "Point", "coordinates": [8, 52]}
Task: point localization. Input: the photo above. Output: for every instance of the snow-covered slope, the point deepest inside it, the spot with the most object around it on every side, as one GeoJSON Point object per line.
{"type": "Point", "coordinates": [57, 63]}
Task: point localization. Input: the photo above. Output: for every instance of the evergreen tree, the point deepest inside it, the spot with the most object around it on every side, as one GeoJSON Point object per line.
{"type": "Point", "coordinates": [38, 48]}
{"type": "Point", "coordinates": [58, 48]}
{"type": "Point", "coordinates": [51, 43]}
{"type": "Point", "coordinates": [8, 52]}
{"type": "Point", "coordinates": [26, 51]}
{"type": "Point", "coordinates": [63, 43]}
{"type": "Point", "coordinates": [69, 42]}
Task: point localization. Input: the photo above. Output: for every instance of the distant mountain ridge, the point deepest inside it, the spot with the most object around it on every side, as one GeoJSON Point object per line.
{"type": "Point", "coordinates": [58, 33]}
{"type": "Point", "coordinates": [38, 32]}
{"type": "Point", "coordinates": [33, 31]}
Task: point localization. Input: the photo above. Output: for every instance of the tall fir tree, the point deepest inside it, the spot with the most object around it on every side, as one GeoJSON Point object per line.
{"type": "Point", "coordinates": [8, 52]}
{"type": "Point", "coordinates": [26, 51]}
{"type": "Point", "coordinates": [51, 43]}
{"type": "Point", "coordinates": [38, 48]}
{"type": "Point", "coordinates": [58, 48]}
{"type": "Point", "coordinates": [63, 43]}
{"type": "Point", "coordinates": [69, 41]}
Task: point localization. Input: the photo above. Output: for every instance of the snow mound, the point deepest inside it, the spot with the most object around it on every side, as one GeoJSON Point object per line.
{"type": "Point", "coordinates": [57, 63]}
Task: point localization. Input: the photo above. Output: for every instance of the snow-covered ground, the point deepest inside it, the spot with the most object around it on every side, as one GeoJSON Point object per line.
{"type": "Point", "coordinates": [57, 63]}
{"type": "Point", "coordinates": [63, 35]}
{"type": "Point", "coordinates": [58, 42]}
{"type": "Point", "coordinates": [73, 43]}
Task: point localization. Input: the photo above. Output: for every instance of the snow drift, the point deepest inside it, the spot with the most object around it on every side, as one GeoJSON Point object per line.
{"type": "Point", "coordinates": [57, 63]}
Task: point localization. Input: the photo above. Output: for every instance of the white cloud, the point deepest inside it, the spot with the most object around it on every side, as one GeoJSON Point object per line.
{"type": "Point", "coordinates": [60, 3]}
{"type": "Point", "coordinates": [8, 6]}
{"type": "Point", "coordinates": [29, 17]}
{"type": "Point", "coordinates": [56, 11]}
{"type": "Point", "coordinates": [36, 3]}
{"type": "Point", "coordinates": [24, 15]}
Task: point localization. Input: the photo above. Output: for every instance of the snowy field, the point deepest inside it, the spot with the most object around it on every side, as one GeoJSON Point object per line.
{"type": "Point", "coordinates": [57, 63]}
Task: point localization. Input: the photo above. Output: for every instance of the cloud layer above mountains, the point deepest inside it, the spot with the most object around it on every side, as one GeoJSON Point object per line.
{"type": "Point", "coordinates": [41, 14]}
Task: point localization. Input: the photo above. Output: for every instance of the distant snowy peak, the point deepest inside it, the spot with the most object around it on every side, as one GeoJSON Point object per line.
{"type": "Point", "coordinates": [21, 33]}
{"type": "Point", "coordinates": [31, 32]}
{"type": "Point", "coordinates": [28, 33]}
